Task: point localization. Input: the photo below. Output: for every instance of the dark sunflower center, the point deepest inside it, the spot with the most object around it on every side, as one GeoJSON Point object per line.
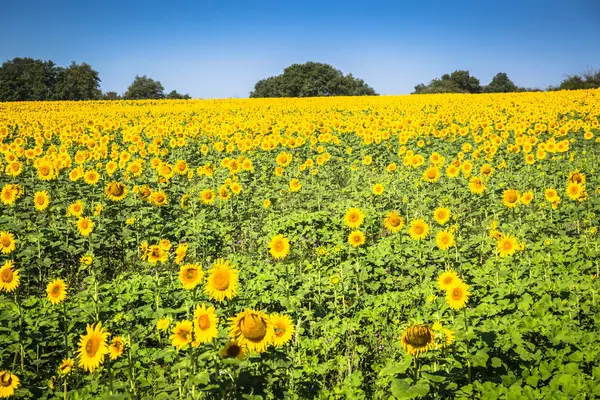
{"type": "Point", "coordinates": [117, 190]}
{"type": "Point", "coordinates": [204, 322]}
{"type": "Point", "coordinates": [507, 245]}
{"type": "Point", "coordinates": [418, 337]}
{"type": "Point", "coordinates": [91, 347]}
{"type": "Point", "coordinates": [190, 274]}
{"type": "Point", "coordinates": [6, 380]}
{"type": "Point", "coordinates": [456, 294]}
{"type": "Point", "coordinates": [279, 330]}
{"type": "Point", "coordinates": [7, 275]}
{"type": "Point", "coordinates": [44, 170]}
{"type": "Point", "coordinates": [5, 241]}
{"type": "Point", "coordinates": [55, 290]}
{"type": "Point", "coordinates": [233, 350]}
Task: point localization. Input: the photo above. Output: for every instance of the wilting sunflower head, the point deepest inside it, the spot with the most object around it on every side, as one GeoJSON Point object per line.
{"type": "Point", "coordinates": [417, 339]}
{"type": "Point", "coordinates": [115, 191]}
{"type": "Point", "coordinates": [233, 350]}
{"type": "Point", "coordinates": [253, 329]}
{"type": "Point", "coordinates": [8, 383]}
{"type": "Point", "coordinates": [66, 366]}
{"type": "Point", "coordinates": [116, 348]}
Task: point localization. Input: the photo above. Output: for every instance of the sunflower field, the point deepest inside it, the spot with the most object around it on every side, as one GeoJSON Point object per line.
{"type": "Point", "coordinates": [434, 246]}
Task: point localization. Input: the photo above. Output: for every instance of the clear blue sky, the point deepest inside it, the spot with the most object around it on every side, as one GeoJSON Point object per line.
{"type": "Point", "coordinates": [214, 49]}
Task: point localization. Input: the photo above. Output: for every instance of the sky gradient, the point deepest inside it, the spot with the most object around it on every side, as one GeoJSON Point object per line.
{"type": "Point", "coordinates": [219, 49]}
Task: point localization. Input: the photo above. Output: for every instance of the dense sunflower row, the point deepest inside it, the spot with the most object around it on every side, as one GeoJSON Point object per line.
{"type": "Point", "coordinates": [229, 248]}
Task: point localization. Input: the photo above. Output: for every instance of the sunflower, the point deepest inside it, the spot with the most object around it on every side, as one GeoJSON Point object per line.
{"type": "Point", "coordinates": [444, 240]}
{"type": "Point", "coordinates": [8, 195]}
{"type": "Point", "coordinates": [417, 339]}
{"type": "Point", "coordinates": [206, 324]}
{"type": "Point", "coordinates": [354, 218]}
{"type": "Point", "coordinates": [418, 229]}
{"type": "Point", "coordinates": [158, 198]}
{"type": "Point", "coordinates": [447, 279]}
{"type": "Point", "coordinates": [76, 209]}
{"type": "Point", "coordinates": [190, 276]}
{"type": "Point", "coordinates": [116, 348]}
{"type": "Point", "coordinates": [85, 226]}
{"type": "Point", "coordinates": [283, 329]}
{"type": "Point", "coordinates": [576, 177]}
{"type": "Point", "coordinates": [207, 196]}
{"type": "Point", "coordinates": [115, 191]}
{"type": "Point", "coordinates": [356, 238]}
{"type": "Point", "coordinates": [233, 350]}
{"type": "Point", "coordinates": [181, 252]}
{"type": "Point", "coordinates": [266, 203]}
{"type": "Point", "coordinates": [163, 324]}
{"type": "Point", "coordinates": [224, 194]}
{"type": "Point", "coordinates": [443, 336]}
{"type": "Point", "coordinates": [393, 222]}
{"type": "Point", "coordinates": [236, 188]}
{"type": "Point", "coordinates": [551, 195]}
{"type": "Point", "coordinates": [476, 185]}
{"type": "Point", "coordinates": [46, 171]}
{"type": "Point", "coordinates": [91, 177]}
{"type": "Point", "coordinates": [182, 334]}
{"type": "Point", "coordinates": [510, 198]}
{"type": "Point", "coordinates": [93, 347]}
{"type": "Point", "coordinates": [9, 277]}
{"type": "Point", "coordinates": [378, 189]}
{"type": "Point", "coordinates": [295, 185]}
{"type": "Point", "coordinates": [41, 200]}
{"type": "Point", "coordinates": [279, 247]}
{"type": "Point", "coordinates": [527, 198]}
{"type": "Point", "coordinates": [155, 253]}
{"type": "Point", "coordinates": [431, 174]}
{"type": "Point", "coordinates": [56, 291]}
{"type": "Point", "coordinates": [457, 295]}
{"type": "Point", "coordinates": [8, 243]}
{"type": "Point", "coordinates": [507, 245]}
{"type": "Point", "coordinates": [66, 366]}
{"type": "Point", "coordinates": [144, 192]}
{"type": "Point", "coordinates": [8, 383]}
{"type": "Point", "coordinates": [222, 281]}
{"type": "Point", "coordinates": [575, 190]}
{"type": "Point", "coordinates": [253, 329]}
{"type": "Point", "coordinates": [87, 259]}
{"type": "Point", "coordinates": [441, 215]}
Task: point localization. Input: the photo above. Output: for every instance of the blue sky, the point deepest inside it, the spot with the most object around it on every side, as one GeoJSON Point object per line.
{"type": "Point", "coordinates": [216, 49]}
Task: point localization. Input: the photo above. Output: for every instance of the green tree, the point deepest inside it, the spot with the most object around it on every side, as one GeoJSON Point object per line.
{"type": "Point", "coordinates": [311, 79]}
{"type": "Point", "coordinates": [143, 87]}
{"type": "Point", "coordinates": [26, 79]}
{"type": "Point", "coordinates": [173, 95]}
{"type": "Point", "coordinates": [111, 96]}
{"type": "Point", "coordinates": [500, 83]}
{"type": "Point", "coordinates": [77, 82]}
{"type": "Point", "coordinates": [459, 81]}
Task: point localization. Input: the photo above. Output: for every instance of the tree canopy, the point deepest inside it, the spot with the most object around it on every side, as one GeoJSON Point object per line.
{"type": "Point", "coordinates": [26, 79]}
{"type": "Point", "coordinates": [459, 81]}
{"type": "Point", "coordinates": [77, 82]}
{"type": "Point", "coordinates": [143, 87]}
{"type": "Point", "coordinates": [311, 79]}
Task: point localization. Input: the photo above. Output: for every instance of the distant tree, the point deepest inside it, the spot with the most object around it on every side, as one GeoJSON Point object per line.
{"type": "Point", "coordinates": [111, 96]}
{"type": "Point", "coordinates": [311, 79]}
{"type": "Point", "coordinates": [177, 96]}
{"type": "Point", "coordinates": [26, 79]}
{"type": "Point", "coordinates": [500, 83]}
{"type": "Point", "coordinates": [459, 81]}
{"type": "Point", "coordinates": [77, 82]}
{"type": "Point", "coordinates": [143, 87]}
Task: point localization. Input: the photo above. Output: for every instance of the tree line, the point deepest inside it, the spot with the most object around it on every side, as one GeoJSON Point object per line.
{"type": "Point", "coordinates": [27, 79]}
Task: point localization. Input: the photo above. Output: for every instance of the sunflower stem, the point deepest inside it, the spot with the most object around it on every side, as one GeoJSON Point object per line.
{"type": "Point", "coordinates": [468, 347]}
{"type": "Point", "coordinates": [66, 327]}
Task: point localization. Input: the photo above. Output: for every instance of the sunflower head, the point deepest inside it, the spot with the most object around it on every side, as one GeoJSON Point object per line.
{"type": "Point", "coordinates": [354, 218]}
{"type": "Point", "coordinates": [283, 329]}
{"type": "Point", "coordinates": [457, 295]}
{"type": "Point", "coordinates": [279, 247]}
{"type": "Point", "coordinates": [182, 334]}
{"type": "Point", "coordinates": [116, 348]}
{"type": "Point", "coordinates": [356, 238]}
{"type": "Point", "coordinates": [9, 277]}
{"type": "Point", "coordinates": [233, 350]}
{"type": "Point", "coordinates": [8, 383]}
{"type": "Point", "coordinates": [93, 347]}
{"type": "Point", "coordinates": [222, 281]}
{"type": "Point", "coordinates": [253, 329]}
{"type": "Point", "coordinates": [190, 275]}
{"type": "Point", "coordinates": [66, 366]}
{"type": "Point", "coordinates": [417, 339]}
{"type": "Point", "coordinates": [418, 229]}
{"type": "Point", "coordinates": [56, 291]}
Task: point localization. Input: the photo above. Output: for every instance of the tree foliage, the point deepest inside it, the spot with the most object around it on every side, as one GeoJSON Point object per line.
{"type": "Point", "coordinates": [77, 82]}
{"type": "Point", "coordinates": [143, 87]}
{"type": "Point", "coordinates": [173, 95]}
{"type": "Point", "coordinates": [459, 81]}
{"type": "Point", "coordinates": [26, 79]}
{"type": "Point", "coordinates": [590, 79]}
{"type": "Point", "coordinates": [311, 79]}
{"type": "Point", "coordinates": [500, 83]}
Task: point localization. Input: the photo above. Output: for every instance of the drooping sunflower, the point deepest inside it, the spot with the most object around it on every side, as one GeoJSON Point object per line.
{"type": "Point", "coordinates": [9, 277]}
{"type": "Point", "coordinates": [222, 281]}
{"type": "Point", "coordinates": [283, 329]}
{"type": "Point", "coordinates": [378, 189]}
{"type": "Point", "coordinates": [233, 350]}
{"type": "Point", "coordinates": [510, 198]}
{"type": "Point", "coordinates": [91, 177]}
{"type": "Point", "coordinates": [393, 222]}
{"type": "Point", "coordinates": [253, 329]}
{"type": "Point", "coordinates": [8, 243]}
{"type": "Point", "coordinates": [354, 218]}
{"type": "Point", "coordinates": [85, 226]}
{"type": "Point", "coordinates": [206, 324]}
{"type": "Point", "coordinates": [116, 348]}
{"type": "Point", "coordinates": [447, 279]}
{"type": "Point", "coordinates": [56, 291]}
{"type": "Point", "coordinates": [8, 383]}
{"type": "Point", "coordinates": [441, 215]}
{"type": "Point", "coordinates": [279, 247]}
{"type": "Point", "coordinates": [443, 336]}
{"type": "Point", "coordinates": [93, 347]}
{"type": "Point", "coordinates": [576, 177]}
{"type": "Point", "coordinates": [66, 366]}
{"type": "Point", "coordinates": [356, 238]}
{"type": "Point", "coordinates": [182, 334]}
{"type": "Point", "coordinates": [417, 339]}
{"type": "Point", "coordinates": [444, 240]}
{"type": "Point", "coordinates": [457, 295]}
{"type": "Point", "coordinates": [418, 229]}
{"type": "Point", "coordinates": [115, 191]}
{"type": "Point", "coordinates": [507, 245]}
{"type": "Point", "coordinates": [190, 275]}
{"type": "Point", "coordinates": [41, 200]}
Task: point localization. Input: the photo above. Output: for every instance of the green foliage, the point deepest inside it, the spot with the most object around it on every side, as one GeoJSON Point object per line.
{"type": "Point", "coordinates": [588, 80]}
{"type": "Point", "coordinates": [311, 79]}
{"type": "Point", "coordinates": [500, 83]}
{"type": "Point", "coordinates": [26, 79]}
{"type": "Point", "coordinates": [173, 95]}
{"type": "Point", "coordinates": [459, 81]}
{"type": "Point", "coordinates": [143, 87]}
{"type": "Point", "coordinates": [77, 82]}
